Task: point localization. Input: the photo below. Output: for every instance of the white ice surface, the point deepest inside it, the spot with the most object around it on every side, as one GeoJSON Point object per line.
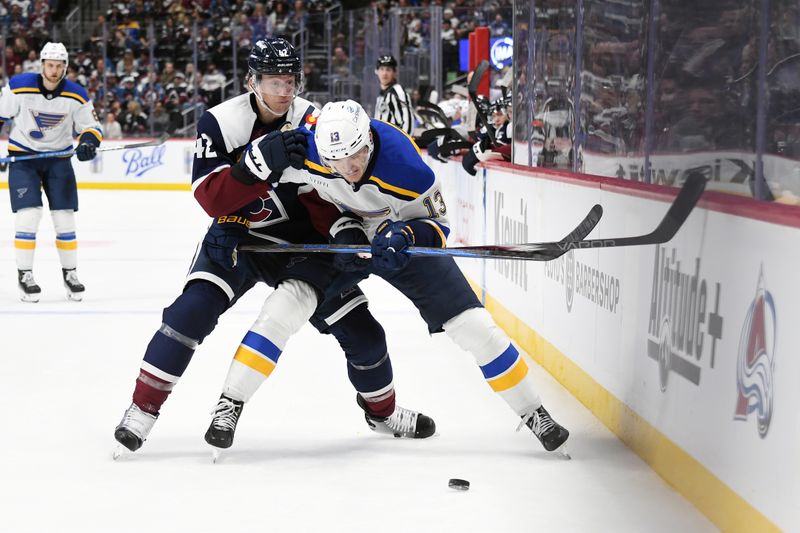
{"type": "Point", "coordinates": [303, 460]}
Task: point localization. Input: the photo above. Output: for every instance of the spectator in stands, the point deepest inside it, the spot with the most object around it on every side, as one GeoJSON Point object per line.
{"type": "Point", "coordinates": [340, 63]}
{"type": "Point", "coordinates": [191, 78]}
{"type": "Point", "coordinates": [12, 60]}
{"type": "Point", "coordinates": [111, 128]}
{"type": "Point", "coordinates": [168, 74]}
{"type": "Point", "coordinates": [160, 119]}
{"type": "Point", "coordinates": [31, 64]}
{"type": "Point", "coordinates": [134, 122]}
{"type": "Point", "coordinates": [212, 84]}
{"type": "Point", "coordinates": [128, 64]}
{"type": "Point", "coordinates": [312, 78]}
{"type": "Point", "coordinates": [279, 18]}
{"type": "Point", "coordinates": [298, 17]}
{"type": "Point", "coordinates": [499, 27]}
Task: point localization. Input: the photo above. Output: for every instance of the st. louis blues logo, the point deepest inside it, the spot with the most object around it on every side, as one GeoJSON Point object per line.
{"type": "Point", "coordinates": [44, 121]}
{"type": "Point", "coordinates": [755, 369]}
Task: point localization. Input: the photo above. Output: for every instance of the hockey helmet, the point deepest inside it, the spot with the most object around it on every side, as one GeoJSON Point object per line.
{"type": "Point", "coordinates": [274, 57]}
{"type": "Point", "coordinates": [55, 52]}
{"type": "Point", "coordinates": [386, 61]}
{"type": "Point", "coordinates": [343, 139]}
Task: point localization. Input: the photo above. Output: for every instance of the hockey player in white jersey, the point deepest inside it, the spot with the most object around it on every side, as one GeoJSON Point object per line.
{"type": "Point", "coordinates": [45, 109]}
{"type": "Point", "coordinates": [373, 171]}
{"type": "Point", "coordinates": [393, 105]}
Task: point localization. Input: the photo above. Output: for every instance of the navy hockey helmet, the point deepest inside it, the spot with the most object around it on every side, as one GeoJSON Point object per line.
{"type": "Point", "coordinates": [273, 56]}
{"type": "Point", "coordinates": [387, 61]}
{"type": "Point", "coordinates": [268, 59]}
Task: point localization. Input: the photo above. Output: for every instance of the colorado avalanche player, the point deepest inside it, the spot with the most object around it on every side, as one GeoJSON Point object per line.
{"type": "Point", "coordinates": [45, 109]}
{"type": "Point", "coordinates": [374, 171]}
{"type": "Point", "coordinates": [240, 143]}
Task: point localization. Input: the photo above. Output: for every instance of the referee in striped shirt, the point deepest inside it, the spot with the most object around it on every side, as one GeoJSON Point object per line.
{"type": "Point", "coordinates": [393, 105]}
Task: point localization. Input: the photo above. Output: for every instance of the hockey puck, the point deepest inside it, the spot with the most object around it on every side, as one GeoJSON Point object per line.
{"type": "Point", "coordinates": [458, 484]}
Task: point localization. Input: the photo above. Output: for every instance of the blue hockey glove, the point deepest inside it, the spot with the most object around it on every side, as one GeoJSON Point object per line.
{"type": "Point", "coordinates": [267, 157]}
{"type": "Point", "coordinates": [86, 151]}
{"type": "Point", "coordinates": [348, 230]}
{"type": "Point", "coordinates": [389, 245]}
{"type": "Point", "coordinates": [222, 238]}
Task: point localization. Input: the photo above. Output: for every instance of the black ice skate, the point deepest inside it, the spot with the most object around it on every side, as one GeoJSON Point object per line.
{"type": "Point", "coordinates": [134, 428]}
{"type": "Point", "coordinates": [549, 432]}
{"type": "Point", "coordinates": [223, 424]}
{"type": "Point", "coordinates": [403, 423]}
{"type": "Point", "coordinates": [29, 291]}
{"type": "Point", "coordinates": [74, 287]}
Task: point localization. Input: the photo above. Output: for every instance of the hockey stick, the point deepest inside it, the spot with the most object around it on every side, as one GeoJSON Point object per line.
{"type": "Point", "coordinates": [69, 153]}
{"type": "Point", "coordinates": [543, 251]}
{"type": "Point", "coordinates": [474, 82]}
{"type": "Point", "coordinates": [578, 234]}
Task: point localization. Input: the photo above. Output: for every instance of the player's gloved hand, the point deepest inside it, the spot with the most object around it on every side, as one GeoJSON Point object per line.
{"type": "Point", "coordinates": [267, 157]}
{"type": "Point", "coordinates": [389, 245]}
{"type": "Point", "coordinates": [348, 230]}
{"type": "Point", "coordinates": [3, 167]}
{"type": "Point", "coordinates": [433, 149]}
{"type": "Point", "coordinates": [86, 151]}
{"type": "Point", "coordinates": [223, 237]}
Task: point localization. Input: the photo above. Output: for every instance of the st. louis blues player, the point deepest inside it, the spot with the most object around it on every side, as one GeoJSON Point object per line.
{"type": "Point", "coordinates": [239, 145]}
{"type": "Point", "coordinates": [45, 109]}
{"type": "Point", "coordinates": [374, 171]}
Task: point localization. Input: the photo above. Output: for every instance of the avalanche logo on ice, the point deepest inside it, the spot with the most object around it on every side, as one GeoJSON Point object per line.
{"type": "Point", "coordinates": [138, 163]}
{"type": "Point", "coordinates": [755, 369]}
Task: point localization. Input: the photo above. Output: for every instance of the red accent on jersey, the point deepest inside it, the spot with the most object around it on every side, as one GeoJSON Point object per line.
{"type": "Point", "coordinates": [222, 194]}
{"type": "Point", "coordinates": [323, 213]}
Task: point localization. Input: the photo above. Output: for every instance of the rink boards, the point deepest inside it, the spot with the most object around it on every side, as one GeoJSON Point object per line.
{"type": "Point", "coordinates": [686, 351]}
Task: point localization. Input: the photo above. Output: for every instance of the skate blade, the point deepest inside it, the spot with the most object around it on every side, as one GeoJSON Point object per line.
{"type": "Point", "coordinates": [74, 296]}
{"type": "Point", "coordinates": [562, 452]}
{"type": "Point", "coordinates": [216, 454]}
{"type": "Point", "coordinates": [119, 451]}
{"type": "Point", "coordinates": [29, 298]}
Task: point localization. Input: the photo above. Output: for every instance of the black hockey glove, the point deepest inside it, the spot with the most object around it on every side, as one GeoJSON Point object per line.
{"type": "Point", "coordinates": [267, 157]}
{"type": "Point", "coordinates": [348, 230]}
{"type": "Point", "coordinates": [433, 149]}
{"type": "Point", "coordinates": [86, 151]}
{"type": "Point", "coordinates": [223, 237]}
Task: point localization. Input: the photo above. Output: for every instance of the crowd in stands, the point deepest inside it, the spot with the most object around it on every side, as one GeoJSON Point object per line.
{"type": "Point", "coordinates": [138, 61]}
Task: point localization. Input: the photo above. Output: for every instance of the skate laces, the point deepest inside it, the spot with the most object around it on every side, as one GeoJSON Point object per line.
{"type": "Point", "coordinates": [27, 278]}
{"type": "Point", "coordinates": [539, 422]}
{"type": "Point", "coordinates": [402, 420]}
{"type": "Point", "coordinates": [225, 415]}
{"type": "Point", "coordinates": [71, 277]}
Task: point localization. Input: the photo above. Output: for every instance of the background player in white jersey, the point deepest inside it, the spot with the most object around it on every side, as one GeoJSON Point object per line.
{"type": "Point", "coordinates": [239, 145]}
{"type": "Point", "coordinates": [393, 105]}
{"type": "Point", "coordinates": [45, 109]}
{"type": "Point", "coordinates": [374, 171]}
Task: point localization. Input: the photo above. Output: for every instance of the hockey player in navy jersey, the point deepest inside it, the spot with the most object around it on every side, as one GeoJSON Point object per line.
{"type": "Point", "coordinates": [240, 144]}
{"type": "Point", "coordinates": [45, 109]}
{"type": "Point", "coordinates": [374, 173]}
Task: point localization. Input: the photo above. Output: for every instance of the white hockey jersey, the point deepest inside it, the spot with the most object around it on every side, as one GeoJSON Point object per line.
{"type": "Point", "coordinates": [45, 121]}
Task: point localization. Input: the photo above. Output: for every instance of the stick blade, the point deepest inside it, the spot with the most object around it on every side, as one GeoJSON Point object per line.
{"type": "Point", "coordinates": [681, 207]}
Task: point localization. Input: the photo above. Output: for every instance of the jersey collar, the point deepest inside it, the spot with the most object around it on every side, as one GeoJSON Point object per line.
{"type": "Point", "coordinates": [50, 94]}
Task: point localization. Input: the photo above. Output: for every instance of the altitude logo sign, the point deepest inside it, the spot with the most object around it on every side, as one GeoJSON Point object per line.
{"type": "Point", "coordinates": [685, 323]}
{"type": "Point", "coordinates": [755, 368]}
